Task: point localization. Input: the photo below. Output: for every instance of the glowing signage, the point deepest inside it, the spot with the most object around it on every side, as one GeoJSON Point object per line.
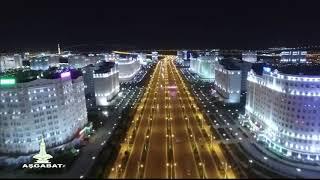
{"type": "Point", "coordinates": [7, 81]}
{"type": "Point", "coordinates": [172, 87]}
{"type": "Point", "coordinates": [65, 74]}
{"type": "Point", "coordinates": [266, 69]}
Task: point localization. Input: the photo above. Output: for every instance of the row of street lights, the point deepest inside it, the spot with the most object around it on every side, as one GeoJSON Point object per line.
{"type": "Point", "coordinates": [144, 101]}
{"type": "Point", "coordinates": [201, 164]}
{"type": "Point", "coordinates": [211, 136]}
{"type": "Point", "coordinates": [170, 164]}
{"type": "Point", "coordinates": [211, 142]}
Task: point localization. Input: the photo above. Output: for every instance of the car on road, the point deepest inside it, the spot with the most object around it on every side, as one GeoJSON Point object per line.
{"type": "Point", "coordinates": [178, 140]}
{"type": "Point", "coordinates": [188, 172]}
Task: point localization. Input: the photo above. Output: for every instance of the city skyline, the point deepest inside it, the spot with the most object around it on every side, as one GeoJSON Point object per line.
{"type": "Point", "coordinates": [200, 114]}
{"type": "Point", "coordinates": [93, 90]}
{"type": "Point", "coordinates": [35, 25]}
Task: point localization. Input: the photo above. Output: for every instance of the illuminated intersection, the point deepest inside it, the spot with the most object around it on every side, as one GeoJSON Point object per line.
{"type": "Point", "coordinates": [169, 136]}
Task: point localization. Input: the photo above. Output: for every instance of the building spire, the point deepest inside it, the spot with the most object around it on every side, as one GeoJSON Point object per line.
{"type": "Point", "coordinates": [59, 52]}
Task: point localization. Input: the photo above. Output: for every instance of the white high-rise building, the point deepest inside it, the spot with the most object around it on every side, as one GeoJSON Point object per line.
{"type": "Point", "coordinates": [185, 54]}
{"type": "Point", "coordinates": [142, 58]}
{"type": "Point", "coordinates": [249, 56]}
{"type": "Point", "coordinates": [228, 82]}
{"type": "Point", "coordinates": [204, 66]}
{"type": "Point", "coordinates": [88, 80]}
{"type": "Point", "coordinates": [78, 61]}
{"type": "Point", "coordinates": [179, 57]}
{"type": "Point", "coordinates": [40, 63]}
{"type": "Point", "coordinates": [18, 60]}
{"type": "Point", "coordinates": [106, 82]}
{"type": "Point", "coordinates": [52, 107]}
{"type": "Point", "coordinates": [128, 68]}
{"type": "Point", "coordinates": [282, 110]}
{"type": "Point", "coordinates": [95, 58]}
{"type": "Point", "coordinates": [154, 56]}
{"type": "Point", "coordinates": [290, 56]}
{"type": "Point", "coordinates": [54, 60]}
{"type": "Point", "coordinates": [10, 62]}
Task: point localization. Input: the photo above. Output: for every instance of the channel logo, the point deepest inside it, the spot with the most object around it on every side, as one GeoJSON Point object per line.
{"type": "Point", "coordinates": [42, 159]}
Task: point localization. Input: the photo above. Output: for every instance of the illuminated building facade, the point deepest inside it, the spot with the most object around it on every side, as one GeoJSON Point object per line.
{"type": "Point", "coordinates": [183, 58]}
{"type": "Point", "coordinates": [52, 107]}
{"type": "Point", "coordinates": [106, 82]}
{"type": "Point", "coordinates": [54, 60]}
{"type": "Point", "coordinates": [95, 58]}
{"type": "Point", "coordinates": [88, 80]}
{"type": "Point", "coordinates": [179, 57]}
{"type": "Point", "coordinates": [204, 66]}
{"type": "Point", "coordinates": [10, 62]}
{"type": "Point", "coordinates": [39, 63]}
{"type": "Point", "coordinates": [78, 61]}
{"type": "Point", "coordinates": [282, 109]}
{"type": "Point", "coordinates": [290, 56]}
{"type": "Point", "coordinates": [228, 82]}
{"type": "Point", "coordinates": [249, 56]}
{"type": "Point", "coordinates": [128, 68]}
{"type": "Point", "coordinates": [154, 56]}
{"type": "Point", "coordinates": [142, 58]}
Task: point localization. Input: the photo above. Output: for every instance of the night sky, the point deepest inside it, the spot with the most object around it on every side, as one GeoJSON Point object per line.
{"type": "Point", "coordinates": [231, 24]}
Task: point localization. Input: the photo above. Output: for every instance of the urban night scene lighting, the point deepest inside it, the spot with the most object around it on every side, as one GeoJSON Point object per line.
{"type": "Point", "coordinates": [7, 81]}
{"type": "Point", "coordinates": [223, 91]}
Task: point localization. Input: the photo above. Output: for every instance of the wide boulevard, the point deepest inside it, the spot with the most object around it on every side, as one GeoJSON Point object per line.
{"type": "Point", "coordinates": [169, 136]}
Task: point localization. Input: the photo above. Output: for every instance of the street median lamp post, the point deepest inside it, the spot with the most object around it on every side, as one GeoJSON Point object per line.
{"type": "Point", "coordinates": [135, 124]}
{"type": "Point", "coordinates": [129, 139]}
{"type": "Point", "coordinates": [171, 166]}
{"type": "Point", "coordinates": [117, 170]}
{"type": "Point", "coordinates": [119, 166]}
{"type": "Point", "coordinates": [202, 169]}
{"type": "Point", "coordinates": [202, 121]}
{"type": "Point", "coordinates": [168, 165]}
{"type": "Point", "coordinates": [112, 169]}
{"type": "Point", "coordinates": [139, 166]}
{"type": "Point", "coordinates": [187, 122]}
{"type": "Point", "coordinates": [116, 176]}
{"type": "Point", "coordinates": [226, 169]}
{"type": "Point", "coordinates": [211, 143]}
{"type": "Point", "coordinates": [149, 127]}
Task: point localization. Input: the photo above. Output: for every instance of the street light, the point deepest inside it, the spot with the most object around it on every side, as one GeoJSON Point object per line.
{"type": "Point", "coordinates": [211, 143]}
{"type": "Point", "coordinates": [225, 170]}
{"type": "Point", "coordinates": [117, 169]}
{"type": "Point", "coordinates": [139, 165]}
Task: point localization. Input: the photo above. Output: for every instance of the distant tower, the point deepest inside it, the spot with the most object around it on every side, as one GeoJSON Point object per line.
{"type": "Point", "coordinates": [59, 49]}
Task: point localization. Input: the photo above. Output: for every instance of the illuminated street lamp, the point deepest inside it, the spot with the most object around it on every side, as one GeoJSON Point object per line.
{"type": "Point", "coordinates": [128, 141]}
{"type": "Point", "coordinates": [117, 169]}
{"type": "Point", "coordinates": [226, 169]}
{"type": "Point", "coordinates": [187, 122]}
{"type": "Point", "coordinates": [139, 165]}
{"type": "Point", "coordinates": [211, 143]}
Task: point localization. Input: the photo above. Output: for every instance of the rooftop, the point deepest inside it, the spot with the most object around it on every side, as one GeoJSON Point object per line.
{"type": "Point", "coordinates": [258, 67]}
{"type": "Point", "coordinates": [231, 63]}
{"type": "Point", "coordinates": [104, 67]}
{"type": "Point", "coordinates": [292, 69]}
{"type": "Point", "coordinates": [300, 69]}
{"type": "Point", "coordinates": [23, 76]}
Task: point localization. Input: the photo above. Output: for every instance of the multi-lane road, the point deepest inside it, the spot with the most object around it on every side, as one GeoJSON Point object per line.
{"type": "Point", "coordinates": [169, 137]}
